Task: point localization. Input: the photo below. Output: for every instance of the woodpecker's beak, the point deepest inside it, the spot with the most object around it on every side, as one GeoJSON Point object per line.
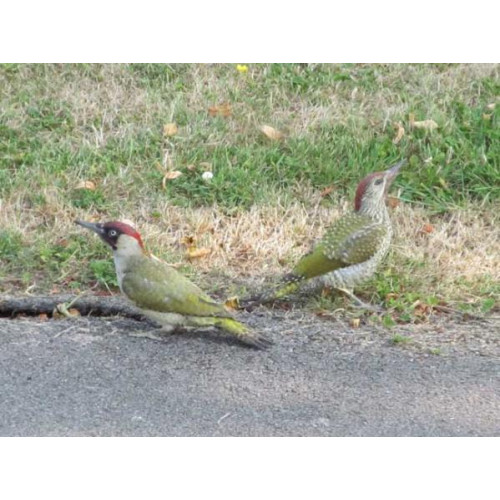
{"type": "Point", "coordinates": [97, 228]}
{"type": "Point", "coordinates": [392, 173]}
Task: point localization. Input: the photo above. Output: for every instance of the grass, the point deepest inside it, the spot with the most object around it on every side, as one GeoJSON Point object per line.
{"type": "Point", "coordinates": [61, 125]}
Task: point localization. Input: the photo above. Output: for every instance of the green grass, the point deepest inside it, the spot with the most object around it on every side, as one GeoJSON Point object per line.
{"type": "Point", "coordinates": [42, 132]}
{"type": "Point", "coordinates": [62, 124]}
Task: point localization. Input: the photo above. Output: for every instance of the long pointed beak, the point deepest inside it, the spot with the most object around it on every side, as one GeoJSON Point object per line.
{"type": "Point", "coordinates": [97, 228]}
{"type": "Point", "coordinates": [394, 170]}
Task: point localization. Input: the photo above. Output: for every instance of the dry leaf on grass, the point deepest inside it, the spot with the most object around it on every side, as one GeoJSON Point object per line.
{"type": "Point", "coordinates": [400, 132]}
{"type": "Point", "coordinates": [86, 185]}
{"type": "Point", "coordinates": [271, 133]}
{"type": "Point", "coordinates": [197, 253]}
{"type": "Point", "coordinates": [355, 322]}
{"type": "Point", "coordinates": [170, 176]}
{"type": "Point", "coordinates": [424, 124]}
{"type": "Point", "coordinates": [427, 228]}
{"type": "Point", "coordinates": [232, 303]}
{"type": "Point", "coordinates": [188, 241]}
{"type": "Point", "coordinates": [223, 109]}
{"type": "Point", "coordinates": [192, 251]}
{"type": "Point", "coordinates": [393, 202]}
{"type": "Point", "coordinates": [72, 312]}
{"type": "Point", "coordinates": [326, 191]}
{"type": "Point", "coordinates": [169, 129]}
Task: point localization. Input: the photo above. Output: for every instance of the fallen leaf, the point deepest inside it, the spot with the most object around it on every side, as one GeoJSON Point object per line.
{"type": "Point", "coordinates": [400, 132]}
{"type": "Point", "coordinates": [60, 312]}
{"type": "Point", "coordinates": [271, 133]}
{"type": "Point", "coordinates": [443, 183]}
{"type": "Point", "coordinates": [326, 191]}
{"type": "Point", "coordinates": [223, 109]}
{"type": "Point", "coordinates": [425, 124]}
{"type": "Point", "coordinates": [232, 303]}
{"type": "Point", "coordinates": [43, 316]}
{"type": "Point", "coordinates": [355, 322]}
{"type": "Point", "coordinates": [390, 296]}
{"type": "Point", "coordinates": [86, 185]}
{"type": "Point", "coordinates": [173, 174]}
{"type": "Point", "coordinates": [191, 167]}
{"type": "Point", "coordinates": [169, 129]}
{"type": "Point", "coordinates": [197, 253]}
{"type": "Point", "coordinates": [188, 241]}
{"type": "Point", "coordinates": [428, 228]}
{"type": "Point", "coordinates": [62, 242]}
{"type": "Point", "coordinates": [393, 202]}
{"type": "Point", "coordinates": [420, 309]}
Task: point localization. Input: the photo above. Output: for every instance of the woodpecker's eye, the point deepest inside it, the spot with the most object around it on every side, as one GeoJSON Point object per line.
{"type": "Point", "coordinates": [112, 233]}
{"type": "Point", "coordinates": [378, 182]}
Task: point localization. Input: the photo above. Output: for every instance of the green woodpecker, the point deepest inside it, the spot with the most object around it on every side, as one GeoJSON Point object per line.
{"type": "Point", "coordinates": [351, 249]}
{"type": "Point", "coordinates": [163, 294]}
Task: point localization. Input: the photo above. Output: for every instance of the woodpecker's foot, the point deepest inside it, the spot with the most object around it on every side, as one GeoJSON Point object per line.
{"type": "Point", "coordinates": [359, 303]}
{"type": "Point", "coordinates": [158, 334]}
{"type": "Point", "coordinates": [148, 335]}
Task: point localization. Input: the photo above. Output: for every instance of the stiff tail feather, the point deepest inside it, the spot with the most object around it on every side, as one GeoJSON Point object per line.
{"type": "Point", "coordinates": [243, 333]}
{"type": "Point", "coordinates": [291, 283]}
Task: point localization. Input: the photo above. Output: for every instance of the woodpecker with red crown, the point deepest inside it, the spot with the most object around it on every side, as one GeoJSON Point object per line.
{"type": "Point", "coordinates": [162, 293]}
{"type": "Point", "coordinates": [351, 249]}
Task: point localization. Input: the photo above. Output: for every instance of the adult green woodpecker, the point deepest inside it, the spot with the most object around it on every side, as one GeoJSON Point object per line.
{"type": "Point", "coordinates": [163, 294]}
{"type": "Point", "coordinates": [351, 249]}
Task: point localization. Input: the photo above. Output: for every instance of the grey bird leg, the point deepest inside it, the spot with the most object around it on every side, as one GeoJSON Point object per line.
{"type": "Point", "coordinates": [163, 332]}
{"type": "Point", "coordinates": [358, 302]}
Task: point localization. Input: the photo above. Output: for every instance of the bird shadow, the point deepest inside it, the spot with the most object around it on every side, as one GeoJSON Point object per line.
{"type": "Point", "coordinates": [206, 334]}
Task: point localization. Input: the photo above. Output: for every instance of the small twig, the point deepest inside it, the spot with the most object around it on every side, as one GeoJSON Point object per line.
{"type": "Point", "coordinates": [72, 327]}
{"type": "Point", "coordinates": [462, 313]}
{"type": "Point", "coordinates": [223, 417]}
{"type": "Point", "coordinates": [64, 307]}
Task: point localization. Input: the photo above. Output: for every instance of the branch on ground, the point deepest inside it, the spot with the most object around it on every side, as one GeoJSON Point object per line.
{"type": "Point", "coordinates": [87, 305]}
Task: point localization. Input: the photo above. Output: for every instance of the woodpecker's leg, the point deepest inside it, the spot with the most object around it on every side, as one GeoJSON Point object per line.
{"type": "Point", "coordinates": [163, 332]}
{"type": "Point", "coordinates": [359, 303]}
{"type": "Point", "coordinates": [148, 335]}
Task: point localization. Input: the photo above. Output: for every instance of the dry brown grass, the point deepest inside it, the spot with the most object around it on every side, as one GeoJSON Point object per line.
{"type": "Point", "coordinates": [456, 257]}
{"type": "Point", "coordinates": [460, 251]}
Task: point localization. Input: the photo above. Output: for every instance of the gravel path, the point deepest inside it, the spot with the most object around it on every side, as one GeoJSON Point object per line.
{"type": "Point", "coordinates": [92, 377]}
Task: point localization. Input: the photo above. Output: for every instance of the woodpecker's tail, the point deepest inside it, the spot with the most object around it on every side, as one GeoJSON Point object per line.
{"type": "Point", "coordinates": [234, 327]}
{"type": "Point", "coordinates": [291, 283]}
{"type": "Point", "coordinates": [243, 333]}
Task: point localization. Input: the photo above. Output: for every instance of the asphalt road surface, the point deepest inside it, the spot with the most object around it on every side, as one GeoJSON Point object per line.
{"type": "Point", "coordinates": [94, 377]}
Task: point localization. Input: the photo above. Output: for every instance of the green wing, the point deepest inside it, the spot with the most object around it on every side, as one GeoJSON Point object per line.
{"type": "Point", "coordinates": [159, 287]}
{"type": "Point", "coordinates": [353, 239]}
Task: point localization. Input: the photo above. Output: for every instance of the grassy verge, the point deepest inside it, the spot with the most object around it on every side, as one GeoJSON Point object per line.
{"type": "Point", "coordinates": [90, 141]}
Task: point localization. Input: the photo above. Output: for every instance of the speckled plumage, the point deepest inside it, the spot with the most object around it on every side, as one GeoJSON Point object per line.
{"type": "Point", "coordinates": [161, 292]}
{"type": "Point", "coordinates": [351, 249]}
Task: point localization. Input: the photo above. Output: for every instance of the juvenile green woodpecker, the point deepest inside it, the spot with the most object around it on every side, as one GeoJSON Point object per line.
{"type": "Point", "coordinates": [351, 249]}
{"type": "Point", "coordinates": [163, 294]}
